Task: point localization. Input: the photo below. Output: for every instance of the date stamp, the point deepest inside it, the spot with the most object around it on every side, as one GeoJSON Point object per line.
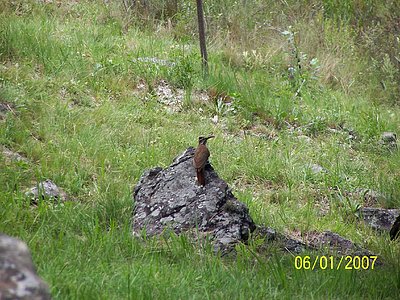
{"type": "Point", "coordinates": [324, 262]}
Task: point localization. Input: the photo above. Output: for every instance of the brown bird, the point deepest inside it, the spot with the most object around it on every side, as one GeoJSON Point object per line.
{"type": "Point", "coordinates": [395, 231]}
{"type": "Point", "coordinates": [200, 159]}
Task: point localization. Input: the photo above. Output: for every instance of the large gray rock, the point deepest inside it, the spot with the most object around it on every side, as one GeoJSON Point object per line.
{"type": "Point", "coordinates": [18, 278]}
{"type": "Point", "coordinates": [171, 199]}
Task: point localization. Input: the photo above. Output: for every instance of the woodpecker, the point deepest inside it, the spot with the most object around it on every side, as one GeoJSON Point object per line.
{"type": "Point", "coordinates": [200, 159]}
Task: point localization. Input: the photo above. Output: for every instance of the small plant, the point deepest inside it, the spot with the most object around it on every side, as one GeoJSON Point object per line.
{"type": "Point", "coordinates": [301, 70]}
{"type": "Point", "coordinates": [183, 73]}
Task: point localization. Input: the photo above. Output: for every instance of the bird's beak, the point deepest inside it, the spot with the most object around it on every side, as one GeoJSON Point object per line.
{"type": "Point", "coordinates": [210, 137]}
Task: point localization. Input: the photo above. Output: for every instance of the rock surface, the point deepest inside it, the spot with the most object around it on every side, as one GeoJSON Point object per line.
{"type": "Point", "coordinates": [18, 278]}
{"type": "Point", "coordinates": [171, 199]}
{"type": "Point", "coordinates": [334, 242]}
{"type": "Point", "coordinates": [46, 189]}
{"type": "Point", "coordinates": [298, 242]}
{"type": "Point", "coordinates": [379, 218]}
{"type": "Point", "coordinates": [389, 139]}
{"type": "Point", "coordinates": [285, 243]}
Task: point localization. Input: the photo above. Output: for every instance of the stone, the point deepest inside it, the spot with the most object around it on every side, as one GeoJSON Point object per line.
{"type": "Point", "coordinates": [46, 190]}
{"type": "Point", "coordinates": [170, 199]}
{"type": "Point", "coordinates": [13, 156]}
{"type": "Point", "coordinates": [317, 169]}
{"type": "Point", "coordinates": [378, 218]}
{"type": "Point", "coordinates": [18, 277]}
{"type": "Point", "coordinates": [389, 139]}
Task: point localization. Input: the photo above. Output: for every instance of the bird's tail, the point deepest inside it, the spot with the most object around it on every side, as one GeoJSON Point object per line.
{"type": "Point", "coordinates": [200, 177]}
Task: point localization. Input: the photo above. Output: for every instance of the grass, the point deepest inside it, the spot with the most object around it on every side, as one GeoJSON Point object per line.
{"type": "Point", "coordinates": [69, 71]}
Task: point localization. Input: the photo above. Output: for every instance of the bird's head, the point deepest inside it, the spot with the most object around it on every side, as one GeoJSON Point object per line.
{"type": "Point", "coordinates": [203, 139]}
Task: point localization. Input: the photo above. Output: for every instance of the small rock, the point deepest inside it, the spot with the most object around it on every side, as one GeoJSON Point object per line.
{"type": "Point", "coordinates": [389, 139]}
{"type": "Point", "coordinates": [317, 169]}
{"type": "Point", "coordinates": [18, 277]}
{"type": "Point", "coordinates": [13, 156]}
{"type": "Point", "coordinates": [46, 189]}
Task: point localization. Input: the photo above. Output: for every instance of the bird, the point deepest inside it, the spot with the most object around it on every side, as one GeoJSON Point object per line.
{"type": "Point", "coordinates": [395, 231]}
{"type": "Point", "coordinates": [200, 159]}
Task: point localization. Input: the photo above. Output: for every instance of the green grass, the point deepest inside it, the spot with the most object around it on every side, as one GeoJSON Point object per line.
{"type": "Point", "coordinates": [78, 118]}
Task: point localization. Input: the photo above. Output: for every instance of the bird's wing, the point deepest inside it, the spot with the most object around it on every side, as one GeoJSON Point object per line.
{"type": "Point", "coordinates": [200, 157]}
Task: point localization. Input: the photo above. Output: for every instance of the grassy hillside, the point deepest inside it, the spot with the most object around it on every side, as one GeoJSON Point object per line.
{"type": "Point", "coordinates": [83, 109]}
